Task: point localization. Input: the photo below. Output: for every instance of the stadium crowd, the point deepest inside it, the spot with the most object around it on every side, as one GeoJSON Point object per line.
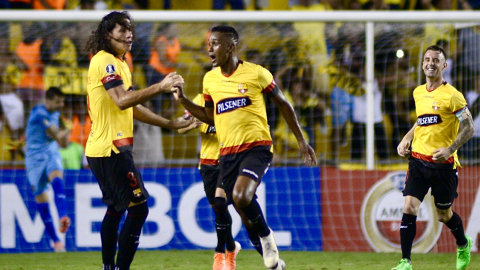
{"type": "Point", "coordinates": [320, 67]}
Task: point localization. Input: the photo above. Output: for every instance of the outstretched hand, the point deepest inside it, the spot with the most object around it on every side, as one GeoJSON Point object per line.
{"type": "Point", "coordinates": [195, 124]}
{"type": "Point", "coordinates": [171, 81]}
{"type": "Point", "coordinates": [309, 157]}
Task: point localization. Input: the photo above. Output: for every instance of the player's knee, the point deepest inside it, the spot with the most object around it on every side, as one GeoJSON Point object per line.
{"type": "Point", "coordinates": [139, 210]}
{"type": "Point", "coordinates": [220, 204]}
{"type": "Point", "coordinates": [241, 199]}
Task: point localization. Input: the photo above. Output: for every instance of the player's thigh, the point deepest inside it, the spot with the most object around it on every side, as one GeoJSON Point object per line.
{"type": "Point", "coordinates": [445, 189]}
{"type": "Point", "coordinates": [210, 182]}
{"type": "Point", "coordinates": [36, 173]}
{"type": "Point", "coordinates": [120, 181]}
{"type": "Point", "coordinates": [417, 183]}
{"type": "Point", "coordinates": [54, 166]}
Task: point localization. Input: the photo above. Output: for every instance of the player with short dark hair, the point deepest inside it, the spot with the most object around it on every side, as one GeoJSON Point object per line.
{"type": "Point", "coordinates": [444, 123]}
{"type": "Point", "coordinates": [44, 163]}
{"type": "Point", "coordinates": [112, 106]}
{"type": "Point", "coordinates": [235, 104]}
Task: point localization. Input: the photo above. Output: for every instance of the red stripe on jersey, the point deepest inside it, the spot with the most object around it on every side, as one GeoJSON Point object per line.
{"type": "Point", "coordinates": [207, 97]}
{"type": "Point", "coordinates": [459, 110]}
{"type": "Point", "coordinates": [205, 161]}
{"type": "Point", "coordinates": [111, 78]}
{"type": "Point", "coordinates": [243, 147]}
{"type": "Point", "coordinates": [270, 87]}
{"type": "Point", "coordinates": [450, 160]}
{"type": "Point", "coordinates": [123, 142]}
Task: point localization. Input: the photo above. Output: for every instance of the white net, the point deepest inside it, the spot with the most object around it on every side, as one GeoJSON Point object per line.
{"type": "Point", "coordinates": [320, 66]}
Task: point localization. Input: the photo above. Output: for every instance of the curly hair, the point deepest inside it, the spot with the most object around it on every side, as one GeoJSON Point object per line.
{"type": "Point", "coordinates": [100, 38]}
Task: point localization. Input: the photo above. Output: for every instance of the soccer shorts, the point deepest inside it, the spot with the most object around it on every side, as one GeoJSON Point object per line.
{"type": "Point", "coordinates": [252, 163]}
{"type": "Point", "coordinates": [39, 166]}
{"type": "Point", "coordinates": [211, 181]}
{"type": "Point", "coordinates": [119, 180]}
{"type": "Point", "coordinates": [443, 182]}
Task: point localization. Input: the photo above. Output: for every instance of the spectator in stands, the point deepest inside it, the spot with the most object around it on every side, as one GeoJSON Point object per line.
{"type": "Point", "coordinates": [234, 4]}
{"type": "Point", "coordinates": [12, 114]}
{"type": "Point", "coordinates": [49, 4]}
{"type": "Point", "coordinates": [20, 4]}
{"type": "Point", "coordinates": [164, 60]}
{"type": "Point", "coordinates": [313, 36]}
{"type": "Point", "coordinates": [448, 72]}
{"type": "Point", "coordinates": [33, 51]}
{"type": "Point", "coordinates": [141, 48]}
{"type": "Point", "coordinates": [359, 113]}
{"type": "Point", "coordinates": [77, 120]}
{"type": "Point", "coordinates": [43, 161]}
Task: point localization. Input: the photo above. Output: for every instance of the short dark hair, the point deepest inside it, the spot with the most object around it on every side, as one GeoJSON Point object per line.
{"type": "Point", "coordinates": [100, 39]}
{"type": "Point", "coordinates": [435, 48]}
{"type": "Point", "coordinates": [225, 29]}
{"type": "Point", "coordinates": [53, 92]}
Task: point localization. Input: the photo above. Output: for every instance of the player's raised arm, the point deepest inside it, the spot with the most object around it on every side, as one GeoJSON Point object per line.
{"type": "Point", "coordinates": [288, 113]}
{"type": "Point", "coordinates": [204, 114]}
{"type": "Point", "coordinates": [142, 114]}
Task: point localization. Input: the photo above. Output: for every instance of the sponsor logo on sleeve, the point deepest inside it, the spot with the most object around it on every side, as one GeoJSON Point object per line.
{"type": "Point", "coordinates": [110, 69]}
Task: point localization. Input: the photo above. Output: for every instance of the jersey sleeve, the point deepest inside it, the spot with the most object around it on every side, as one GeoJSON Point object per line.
{"type": "Point", "coordinates": [458, 102]}
{"type": "Point", "coordinates": [204, 128]}
{"type": "Point", "coordinates": [266, 81]}
{"type": "Point", "coordinates": [206, 94]}
{"type": "Point", "coordinates": [109, 72]}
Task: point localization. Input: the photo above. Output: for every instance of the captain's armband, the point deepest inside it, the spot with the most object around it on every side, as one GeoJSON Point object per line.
{"type": "Point", "coordinates": [463, 114]}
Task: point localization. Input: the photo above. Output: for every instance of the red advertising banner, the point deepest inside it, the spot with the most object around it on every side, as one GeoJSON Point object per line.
{"type": "Point", "coordinates": [362, 210]}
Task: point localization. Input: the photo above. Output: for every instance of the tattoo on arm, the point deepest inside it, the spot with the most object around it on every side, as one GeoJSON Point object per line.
{"type": "Point", "coordinates": [465, 132]}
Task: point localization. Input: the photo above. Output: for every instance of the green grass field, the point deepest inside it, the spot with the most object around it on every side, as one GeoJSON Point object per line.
{"type": "Point", "coordinates": [196, 260]}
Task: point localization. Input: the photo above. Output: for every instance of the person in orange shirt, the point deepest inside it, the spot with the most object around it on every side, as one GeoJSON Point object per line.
{"type": "Point", "coordinates": [33, 52]}
{"type": "Point", "coordinates": [163, 60]}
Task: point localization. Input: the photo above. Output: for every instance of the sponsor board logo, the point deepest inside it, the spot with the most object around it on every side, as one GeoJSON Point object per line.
{"type": "Point", "coordinates": [382, 211]}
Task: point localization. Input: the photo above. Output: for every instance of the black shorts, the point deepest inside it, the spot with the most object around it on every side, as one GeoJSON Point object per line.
{"type": "Point", "coordinates": [211, 181]}
{"type": "Point", "coordinates": [443, 182]}
{"type": "Point", "coordinates": [119, 180]}
{"type": "Point", "coordinates": [252, 163]}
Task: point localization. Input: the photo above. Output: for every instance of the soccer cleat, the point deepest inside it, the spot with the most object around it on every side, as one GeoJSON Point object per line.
{"type": "Point", "coordinates": [59, 247]}
{"type": "Point", "coordinates": [463, 254]}
{"type": "Point", "coordinates": [404, 264]}
{"type": "Point", "coordinates": [64, 224]}
{"type": "Point", "coordinates": [230, 258]}
{"type": "Point", "coordinates": [280, 265]}
{"type": "Point", "coordinates": [270, 251]}
{"type": "Point", "coordinates": [219, 261]}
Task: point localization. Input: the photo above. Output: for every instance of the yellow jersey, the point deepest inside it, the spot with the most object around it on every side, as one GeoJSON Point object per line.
{"type": "Point", "coordinates": [239, 105]}
{"type": "Point", "coordinates": [210, 149]}
{"type": "Point", "coordinates": [437, 122]}
{"type": "Point", "coordinates": [112, 128]}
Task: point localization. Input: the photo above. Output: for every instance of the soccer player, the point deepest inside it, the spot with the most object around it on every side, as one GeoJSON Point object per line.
{"type": "Point", "coordinates": [112, 106]}
{"type": "Point", "coordinates": [444, 123]}
{"type": "Point", "coordinates": [44, 163]}
{"type": "Point", "coordinates": [227, 248]}
{"type": "Point", "coordinates": [235, 104]}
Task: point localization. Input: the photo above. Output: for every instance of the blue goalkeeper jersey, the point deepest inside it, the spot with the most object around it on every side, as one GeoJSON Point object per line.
{"type": "Point", "coordinates": [37, 139]}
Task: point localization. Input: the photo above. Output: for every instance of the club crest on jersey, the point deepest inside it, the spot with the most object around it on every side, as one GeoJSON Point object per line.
{"type": "Point", "coordinates": [242, 88]}
{"type": "Point", "coordinates": [110, 69]}
{"type": "Point", "coordinates": [435, 106]}
{"type": "Point", "coordinates": [231, 104]}
{"type": "Point", "coordinates": [428, 119]}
